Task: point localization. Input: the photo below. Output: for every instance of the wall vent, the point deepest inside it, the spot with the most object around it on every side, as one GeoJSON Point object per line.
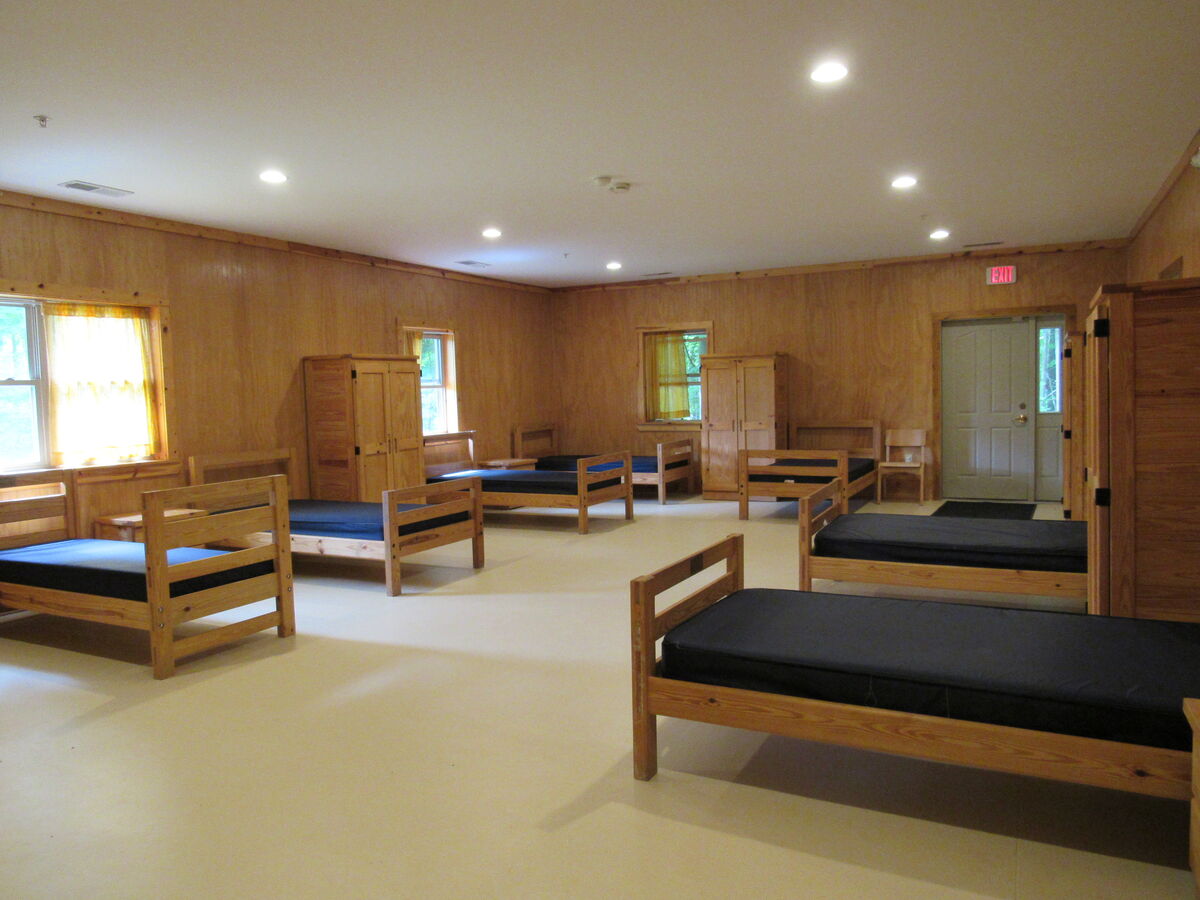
{"type": "Point", "coordinates": [473, 263]}
{"type": "Point", "coordinates": [982, 244]}
{"type": "Point", "coordinates": [100, 189]}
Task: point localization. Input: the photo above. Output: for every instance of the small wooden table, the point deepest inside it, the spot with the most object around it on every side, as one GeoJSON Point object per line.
{"type": "Point", "coordinates": [509, 463]}
{"type": "Point", "coordinates": [128, 526]}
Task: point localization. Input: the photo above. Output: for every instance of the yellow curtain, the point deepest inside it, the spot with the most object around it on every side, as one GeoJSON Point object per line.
{"type": "Point", "coordinates": [412, 343]}
{"type": "Point", "coordinates": [666, 376]}
{"type": "Point", "coordinates": [102, 397]}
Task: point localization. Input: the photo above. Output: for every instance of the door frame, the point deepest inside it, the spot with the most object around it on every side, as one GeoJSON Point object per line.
{"type": "Point", "coordinates": [1067, 311]}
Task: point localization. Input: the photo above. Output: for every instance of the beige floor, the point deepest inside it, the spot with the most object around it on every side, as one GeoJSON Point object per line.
{"type": "Point", "coordinates": [471, 739]}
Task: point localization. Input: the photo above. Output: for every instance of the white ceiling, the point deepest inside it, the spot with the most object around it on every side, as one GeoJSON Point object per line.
{"type": "Point", "coordinates": [407, 127]}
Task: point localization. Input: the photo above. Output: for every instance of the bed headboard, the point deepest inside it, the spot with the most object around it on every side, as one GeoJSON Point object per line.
{"type": "Point", "coordinates": [859, 437]}
{"type": "Point", "coordinates": [535, 441]}
{"type": "Point", "coordinates": [452, 452]}
{"type": "Point", "coordinates": [34, 509]}
{"type": "Point", "coordinates": [211, 467]}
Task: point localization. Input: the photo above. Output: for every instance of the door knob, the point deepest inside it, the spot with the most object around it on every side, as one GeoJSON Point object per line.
{"type": "Point", "coordinates": [1021, 419]}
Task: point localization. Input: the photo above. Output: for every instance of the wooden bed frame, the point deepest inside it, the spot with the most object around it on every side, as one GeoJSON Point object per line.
{"type": "Point", "coordinates": [448, 446]}
{"type": "Point", "coordinates": [443, 499]}
{"type": "Point", "coordinates": [254, 504]}
{"type": "Point", "coordinates": [535, 441]}
{"type": "Point", "coordinates": [926, 575]}
{"type": "Point", "coordinates": [836, 436]}
{"type": "Point", "coordinates": [838, 474]}
{"type": "Point", "coordinates": [1110, 764]}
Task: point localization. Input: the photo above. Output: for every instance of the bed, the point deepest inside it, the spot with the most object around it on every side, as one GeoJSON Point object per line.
{"type": "Point", "coordinates": [406, 521]}
{"type": "Point", "coordinates": [163, 583]}
{"type": "Point", "coordinates": [878, 674]}
{"type": "Point", "coordinates": [673, 462]}
{"type": "Point", "coordinates": [595, 479]}
{"type": "Point", "coordinates": [790, 474]}
{"type": "Point", "coordinates": [861, 441]}
{"type": "Point", "coordinates": [1013, 556]}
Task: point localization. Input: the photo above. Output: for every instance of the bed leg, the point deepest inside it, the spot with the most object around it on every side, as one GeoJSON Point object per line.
{"type": "Point", "coordinates": [162, 651]}
{"type": "Point", "coordinates": [629, 498]}
{"type": "Point", "coordinates": [1191, 708]}
{"type": "Point", "coordinates": [645, 723]}
{"type": "Point", "coordinates": [583, 517]}
{"type": "Point", "coordinates": [285, 606]}
{"type": "Point", "coordinates": [662, 492]}
{"type": "Point", "coordinates": [392, 577]}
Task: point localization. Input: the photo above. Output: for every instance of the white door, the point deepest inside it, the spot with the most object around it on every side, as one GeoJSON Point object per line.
{"type": "Point", "coordinates": [989, 409]}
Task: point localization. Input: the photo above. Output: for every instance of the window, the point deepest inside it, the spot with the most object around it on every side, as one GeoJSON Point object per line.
{"type": "Point", "coordinates": [671, 372]}
{"type": "Point", "coordinates": [1050, 369]}
{"type": "Point", "coordinates": [434, 350]}
{"type": "Point", "coordinates": [78, 384]}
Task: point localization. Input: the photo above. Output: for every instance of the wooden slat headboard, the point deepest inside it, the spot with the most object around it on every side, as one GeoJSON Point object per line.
{"type": "Point", "coordinates": [212, 467]}
{"type": "Point", "coordinates": [33, 510]}
{"type": "Point", "coordinates": [535, 441]}
{"type": "Point", "coordinates": [452, 452]}
{"type": "Point", "coordinates": [859, 437]}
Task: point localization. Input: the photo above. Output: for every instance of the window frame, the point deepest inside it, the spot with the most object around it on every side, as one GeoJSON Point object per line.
{"type": "Point", "coordinates": [644, 422]}
{"type": "Point", "coordinates": [35, 337]}
{"type": "Point", "coordinates": [449, 383]}
{"type": "Point", "coordinates": [37, 294]}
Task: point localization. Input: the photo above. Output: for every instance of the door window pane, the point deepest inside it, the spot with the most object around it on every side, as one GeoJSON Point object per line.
{"type": "Point", "coordinates": [19, 441]}
{"type": "Point", "coordinates": [14, 343]}
{"type": "Point", "coordinates": [1049, 370]}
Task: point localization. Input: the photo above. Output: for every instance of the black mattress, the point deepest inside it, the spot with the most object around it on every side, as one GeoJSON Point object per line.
{"type": "Point", "coordinates": [857, 467]}
{"type": "Point", "coordinates": [362, 521]}
{"type": "Point", "coordinates": [1092, 676]}
{"type": "Point", "coordinates": [525, 481]}
{"type": "Point", "coordinates": [988, 543]}
{"type": "Point", "coordinates": [109, 568]}
{"type": "Point", "coordinates": [567, 462]}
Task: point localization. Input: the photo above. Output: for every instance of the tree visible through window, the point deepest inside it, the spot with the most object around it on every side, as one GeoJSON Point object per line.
{"type": "Point", "coordinates": [439, 401]}
{"type": "Point", "coordinates": [1050, 369]}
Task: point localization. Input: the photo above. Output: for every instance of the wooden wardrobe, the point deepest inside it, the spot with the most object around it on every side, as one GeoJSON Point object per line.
{"type": "Point", "coordinates": [1142, 353]}
{"type": "Point", "coordinates": [364, 425]}
{"type": "Point", "coordinates": [745, 408]}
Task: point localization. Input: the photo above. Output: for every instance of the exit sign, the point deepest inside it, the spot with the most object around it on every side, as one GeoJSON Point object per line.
{"type": "Point", "coordinates": [1002, 275]}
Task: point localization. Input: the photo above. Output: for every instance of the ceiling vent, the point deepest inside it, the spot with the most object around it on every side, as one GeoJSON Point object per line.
{"type": "Point", "coordinates": [656, 274]}
{"type": "Point", "coordinates": [100, 189]}
{"type": "Point", "coordinates": [472, 263]}
{"type": "Point", "coordinates": [982, 244]}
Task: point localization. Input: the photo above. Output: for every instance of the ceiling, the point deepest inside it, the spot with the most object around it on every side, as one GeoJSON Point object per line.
{"type": "Point", "coordinates": [407, 127]}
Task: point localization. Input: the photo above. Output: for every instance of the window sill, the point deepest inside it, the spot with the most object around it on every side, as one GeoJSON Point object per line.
{"type": "Point", "coordinates": [668, 426]}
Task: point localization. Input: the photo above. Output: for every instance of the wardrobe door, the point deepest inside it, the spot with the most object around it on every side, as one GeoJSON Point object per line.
{"type": "Point", "coordinates": [404, 424]}
{"type": "Point", "coordinates": [758, 411]}
{"type": "Point", "coordinates": [720, 437]}
{"type": "Point", "coordinates": [1096, 461]}
{"type": "Point", "coordinates": [372, 437]}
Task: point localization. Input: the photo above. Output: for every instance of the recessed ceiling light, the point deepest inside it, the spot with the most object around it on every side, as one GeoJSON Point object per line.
{"type": "Point", "coordinates": [614, 265]}
{"type": "Point", "coordinates": [940, 235]}
{"type": "Point", "coordinates": [491, 233]}
{"type": "Point", "coordinates": [829, 72]}
{"type": "Point", "coordinates": [904, 182]}
{"type": "Point", "coordinates": [272, 176]}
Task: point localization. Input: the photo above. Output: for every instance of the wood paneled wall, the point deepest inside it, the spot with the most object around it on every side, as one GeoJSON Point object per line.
{"type": "Point", "coordinates": [1172, 231]}
{"type": "Point", "coordinates": [243, 316]}
{"type": "Point", "coordinates": [861, 342]}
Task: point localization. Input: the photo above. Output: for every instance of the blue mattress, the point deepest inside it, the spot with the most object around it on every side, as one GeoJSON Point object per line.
{"type": "Point", "coordinates": [362, 521]}
{"type": "Point", "coordinates": [989, 543]}
{"type": "Point", "coordinates": [524, 481]}
{"type": "Point", "coordinates": [857, 467]}
{"type": "Point", "coordinates": [109, 568]}
{"type": "Point", "coordinates": [1092, 676]}
{"type": "Point", "coordinates": [568, 463]}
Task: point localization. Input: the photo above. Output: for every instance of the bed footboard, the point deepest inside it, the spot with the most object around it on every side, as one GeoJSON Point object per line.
{"type": "Point", "coordinates": [838, 472]}
{"type": "Point", "coordinates": [586, 495]}
{"type": "Point", "coordinates": [443, 498]}
{"type": "Point", "coordinates": [647, 627]}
